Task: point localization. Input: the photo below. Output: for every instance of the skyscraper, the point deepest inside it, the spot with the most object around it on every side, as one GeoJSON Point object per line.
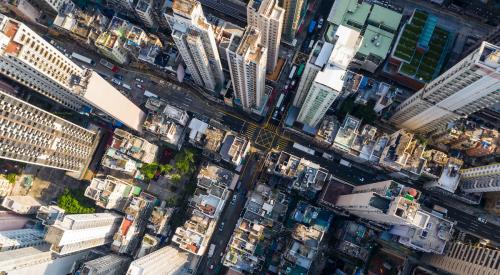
{"type": "Point", "coordinates": [267, 17]}
{"type": "Point", "coordinates": [194, 37]}
{"type": "Point", "coordinates": [467, 87]}
{"type": "Point", "coordinates": [247, 58]}
{"type": "Point", "coordinates": [293, 17]}
{"type": "Point", "coordinates": [481, 179]}
{"type": "Point", "coordinates": [15, 239]}
{"type": "Point", "coordinates": [27, 58]}
{"type": "Point", "coordinates": [110, 264]}
{"type": "Point", "coordinates": [29, 134]}
{"type": "Point", "coordinates": [167, 260]}
{"type": "Point", "coordinates": [82, 231]}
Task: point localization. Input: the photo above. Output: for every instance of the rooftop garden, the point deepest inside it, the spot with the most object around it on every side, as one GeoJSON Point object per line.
{"type": "Point", "coordinates": [420, 63]}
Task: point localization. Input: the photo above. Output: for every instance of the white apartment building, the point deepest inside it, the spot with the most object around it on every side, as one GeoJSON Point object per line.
{"type": "Point", "coordinates": [144, 10]}
{"type": "Point", "coordinates": [247, 58]}
{"type": "Point", "coordinates": [15, 239]}
{"type": "Point", "coordinates": [167, 260]}
{"type": "Point", "coordinates": [31, 135]}
{"type": "Point", "coordinates": [82, 231]}
{"type": "Point", "coordinates": [293, 18]}
{"type": "Point", "coordinates": [54, 4]}
{"type": "Point", "coordinates": [24, 205]}
{"type": "Point", "coordinates": [329, 82]}
{"type": "Point", "coordinates": [267, 17]}
{"type": "Point", "coordinates": [27, 58]}
{"type": "Point", "coordinates": [194, 37]}
{"type": "Point", "coordinates": [481, 179]}
{"type": "Point", "coordinates": [464, 259]}
{"type": "Point", "coordinates": [318, 59]}
{"type": "Point", "coordinates": [110, 264]}
{"type": "Point", "coordinates": [37, 260]}
{"type": "Point", "coordinates": [469, 86]}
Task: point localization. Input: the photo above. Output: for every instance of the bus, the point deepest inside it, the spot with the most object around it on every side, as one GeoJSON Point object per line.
{"type": "Point", "coordinates": [82, 58]}
{"type": "Point", "coordinates": [312, 26]}
{"type": "Point", "coordinates": [149, 94]}
{"type": "Point", "coordinates": [303, 148]}
{"type": "Point", "coordinates": [300, 70]}
{"type": "Point", "coordinates": [280, 101]}
{"type": "Point", "coordinates": [292, 72]}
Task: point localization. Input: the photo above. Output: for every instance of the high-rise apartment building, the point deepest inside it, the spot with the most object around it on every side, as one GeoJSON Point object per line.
{"type": "Point", "coordinates": [247, 58]}
{"type": "Point", "coordinates": [55, 5]}
{"type": "Point", "coordinates": [481, 179]}
{"type": "Point", "coordinates": [267, 17]}
{"type": "Point", "coordinates": [144, 10]}
{"type": "Point", "coordinates": [110, 264]}
{"type": "Point", "coordinates": [31, 135]}
{"type": "Point", "coordinates": [194, 37]}
{"type": "Point", "coordinates": [467, 87]}
{"type": "Point", "coordinates": [465, 259]}
{"type": "Point", "coordinates": [167, 260]}
{"type": "Point", "coordinates": [27, 58]}
{"type": "Point", "coordinates": [15, 239]}
{"type": "Point", "coordinates": [293, 16]}
{"type": "Point", "coordinates": [82, 231]}
{"type": "Point", "coordinates": [329, 82]}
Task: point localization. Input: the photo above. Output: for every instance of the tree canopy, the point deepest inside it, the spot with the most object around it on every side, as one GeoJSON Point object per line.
{"type": "Point", "coordinates": [73, 202]}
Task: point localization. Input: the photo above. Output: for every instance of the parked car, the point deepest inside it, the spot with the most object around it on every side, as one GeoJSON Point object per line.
{"type": "Point", "coordinates": [234, 199]}
{"type": "Point", "coordinates": [118, 76]}
{"type": "Point", "coordinates": [221, 226]}
{"type": "Point", "coordinates": [483, 220]}
{"type": "Point", "coordinates": [116, 81]}
{"type": "Point", "coordinates": [139, 80]}
{"type": "Point", "coordinates": [138, 86]}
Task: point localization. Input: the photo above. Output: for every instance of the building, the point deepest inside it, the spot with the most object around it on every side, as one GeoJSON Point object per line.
{"type": "Point", "coordinates": [134, 146]}
{"type": "Point", "coordinates": [110, 42]}
{"type": "Point", "coordinates": [50, 214]}
{"type": "Point", "coordinates": [267, 17]}
{"type": "Point", "coordinates": [38, 260]}
{"type": "Point", "coordinates": [144, 10]}
{"type": "Point", "coordinates": [492, 37]}
{"type": "Point", "coordinates": [449, 176]}
{"type": "Point", "coordinates": [126, 5]}
{"type": "Point", "coordinates": [110, 264]}
{"type": "Point", "coordinates": [492, 202]}
{"type": "Point", "coordinates": [110, 192]}
{"type": "Point", "coordinates": [208, 137]}
{"type": "Point", "coordinates": [327, 131]}
{"type": "Point", "coordinates": [328, 83]}
{"type": "Point", "coordinates": [481, 179]}
{"type": "Point", "coordinates": [259, 225]}
{"type": "Point", "coordinates": [346, 134]}
{"type": "Point", "coordinates": [159, 219]}
{"type": "Point", "coordinates": [420, 50]}
{"type": "Point", "coordinates": [355, 240]}
{"type": "Point", "coordinates": [24, 9]}
{"type": "Point", "coordinates": [11, 221]}
{"type": "Point", "coordinates": [167, 260]}
{"type": "Point", "coordinates": [194, 37]}
{"type": "Point", "coordinates": [15, 239]}
{"type": "Point", "coordinates": [55, 5]}
{"type": "Point", "coordinates": [82, 231]}
{"type": "Point", "coordinates": [149, 244]}
{"type": "Point", "coordinates": [31, 135]}
{"type": "Point", "coordinates": [318, 59]}
{"type": "Point", "coordinates": [403, 152]}
{"type": "Point", "coordinates": [385, 202]}
{"type": "Point", "coordinates": [247, 65]}
{"type": "Point", "coordinates": [27, 58]}
{"type": "Point", "coordinates": [463, 259]}
{"type": "Point", "coordinates": [24, 205]}
{"type": "Point", "coordinates": [131, 230]}
{"type": "Point", "coordinates": [377, 24]}
{"type": "Point", "coordinates": [233, 8]}
{"type": "Point", "coordinates": [234, 149]}
{"type": "Point", "coordinates": [465, 88]}
{"type": "Point", "coordinates": [294, 12]}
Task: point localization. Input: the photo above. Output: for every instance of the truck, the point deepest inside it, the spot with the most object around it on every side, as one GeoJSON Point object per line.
{"type": "Point", "coordinates": [300, 70]}
{"type": "Point", "coordinates": [149, 94]}
{"type": "Point", "coordinates": [108, 65]}
{"type": "Point", "coordinates": [345, 163]}
{"type": "Point", "coordinates": [126, 86]}
{"type": "Point", "coordinates": [82, 58]}
{"type": "Point", "coordinates": [211, 250]}
{"type": "Point", "coordinates": [303, 148]}
{"type": "Point", "coordinates": [292, 72]}
{"type": "Point", "coordinates": [280, 101]}
{"type": "Point", "coordinates": [312, 26]}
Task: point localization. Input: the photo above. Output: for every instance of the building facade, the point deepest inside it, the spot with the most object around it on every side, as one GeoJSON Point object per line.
{"type": "Point", "coordinates": [15, 239]}
{"type": "Point", "coordinates": [144, 10]}
{"type": "Point", "coordinates": [167, 260]}
{"type": "Point", "coordinates": [464, 259]}
{"type": "Point", "coordinates": [82, 231]}
{"type": "Point", "coordinates": [293, 17]}
{"type": "Point", "coordinates": [467, 87]}
{"type": "Point", "coordinates": [267, 17]}
{"type": "Point", "coordinates": [28, 59]}
{"type": "Point", "coordinates": [481, 179]}
{"type": "Point", "coordinates": [111, 264]}
{"type": "Point", "coordinates": [31, 135]}
{"type": "Point", "coordinates": [247, 58]}
{"type": "Point", "coordinates": [194, 37]}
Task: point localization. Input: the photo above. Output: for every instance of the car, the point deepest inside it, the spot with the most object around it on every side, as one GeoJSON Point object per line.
{"type": "Point", "coordinates": [116, 81]}
{"type": "Point", "coordinates": [483, 220]}
{"type": "Point", "coordinates": [118, 76]}
{"type": "Point", "coordinates": [221, 226]}
{"type": "Point", "coordinates": [139, 80]}
{"type": "Point", "coordinates": [138, 86]}
{"type": "Point", "coordinates": [211, 267]}
{"type": "Point", "coordinates": [234, 199]}
{"type": "Point", "coordinates": [320, 23]}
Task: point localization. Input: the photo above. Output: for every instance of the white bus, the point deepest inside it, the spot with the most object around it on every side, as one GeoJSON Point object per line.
{"type": "Point", "coordinates": [292, 72]}
{"type": "Point", "coordinates": [149, 94]}
{"type": "Point", "coordinates": [303, 148]}
{"type": "Point", "coordinates": [82, 58]}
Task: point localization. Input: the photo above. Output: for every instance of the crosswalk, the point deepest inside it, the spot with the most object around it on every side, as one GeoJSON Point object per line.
{"type": "Point", "coordinates": [250, 131]}
{"type": "Point", "coordinates": [271, 127]}
{"type": "Point", "coordinates": [282, 144]}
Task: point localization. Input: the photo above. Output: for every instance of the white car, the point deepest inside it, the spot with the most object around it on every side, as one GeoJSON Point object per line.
{"type": "Point", "coordinates": [139, 80]}
{"type": "Point", "coordinates": [483, 220]}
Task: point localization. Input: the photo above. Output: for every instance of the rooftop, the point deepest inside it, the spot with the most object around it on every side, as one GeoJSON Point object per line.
{"type": "Point", "coordinates": [347, 132]}
{"type": "Point", "coordinates": [376, 42]}
{"type": "Point", "coordinates": [349, 12]}
{"type": "Point", "coordinates": [384, 18]}
{"type": "Point", "coordinates": [213, 174]}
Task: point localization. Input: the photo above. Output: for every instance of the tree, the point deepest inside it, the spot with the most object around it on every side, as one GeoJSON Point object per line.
{"type": "Point", "coordinates": [73, 202]}
{"type": "Point", "coordinates": [184, 161]}
{"type": "Point", "coordinates": [167, 168]}
{"type": "Point", "coordinates": [175, 178]}
{"type": "Point", "coordinates": [11, 177]}
{"type": "Point", "coordinates": [149, 170]}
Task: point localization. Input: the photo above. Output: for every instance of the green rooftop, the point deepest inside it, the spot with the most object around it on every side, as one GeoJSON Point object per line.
{"type": "Point", "coordinates": [418, 63]}
{"type": "Point", "coordinates": [385, 18]}
{"type": "Point", "coordinates": [350, 13]}
{"type": "Point", "coordinates": [376, 42]}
